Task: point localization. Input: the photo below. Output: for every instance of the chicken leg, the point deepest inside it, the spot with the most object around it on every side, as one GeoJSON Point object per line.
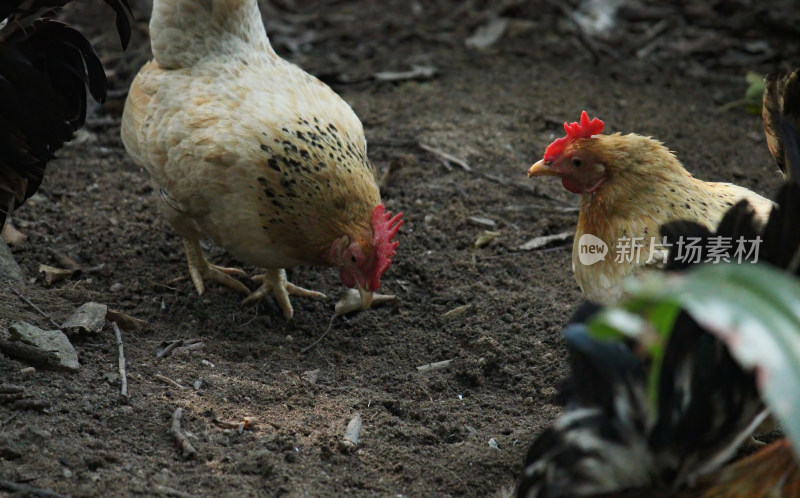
{"type": "Point", "coordinates": [274, 282]}
{"type": "Point", "coordinates": [200, 268]}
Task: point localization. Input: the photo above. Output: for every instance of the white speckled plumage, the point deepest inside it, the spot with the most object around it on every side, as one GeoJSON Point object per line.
{"type": "Point", "coordinates": [246, 148]}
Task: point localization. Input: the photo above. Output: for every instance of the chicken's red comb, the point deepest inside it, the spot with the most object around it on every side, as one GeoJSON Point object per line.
{"type": "Point", "coordinates": [384, 228]}
{"type": "Point", "coordinates": [584, 129]}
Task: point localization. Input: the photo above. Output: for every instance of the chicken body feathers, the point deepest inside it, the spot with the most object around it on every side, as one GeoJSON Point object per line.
{"type": "Point", "coordinates": [652, 189]}
{"type": "Point", "coordinates": [248, 149]}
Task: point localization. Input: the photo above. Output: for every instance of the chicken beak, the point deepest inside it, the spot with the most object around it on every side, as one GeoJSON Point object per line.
{"type": "Point", "coordinates": [542, 169]}
{"type": "Point", "coordinates": [366, 297]}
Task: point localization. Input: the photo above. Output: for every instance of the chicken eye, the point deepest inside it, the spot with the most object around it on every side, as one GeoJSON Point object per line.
{"type": "Point", "coordinates": [353, 259]}
{"type": "Point", "coordinates": [576, 162]}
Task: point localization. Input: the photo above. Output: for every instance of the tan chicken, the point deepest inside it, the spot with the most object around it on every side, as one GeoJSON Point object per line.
{"type": "Point", "coordinates": [630, 185]}
{"type": "Point", "coordinates": [253, 152]}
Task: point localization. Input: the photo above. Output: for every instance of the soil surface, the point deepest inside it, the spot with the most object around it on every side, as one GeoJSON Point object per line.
{"type": "Point", "coordinates": [495, 312]}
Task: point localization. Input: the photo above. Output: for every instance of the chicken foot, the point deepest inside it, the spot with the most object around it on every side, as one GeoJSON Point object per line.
{"type": "Point", "coordinates": [200, 269]}
{"type": "Point", "coordinates": [274, 282]}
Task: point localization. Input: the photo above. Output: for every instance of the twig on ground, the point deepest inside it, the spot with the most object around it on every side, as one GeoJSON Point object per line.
{"type": "Point", "coordinates": [434, 366]}
{"type": "Point", "coordinates": [39, 405]}
{"type": "Point", "coordinates": [125, 321]}
{"type": "Point", "coordinates": [349, 443]}
{"type": "Point", "coordinates": [246, 423]}
{"type": "Point", "coordinates": [22, 351]}
{"type": "Point", "coordinates": [6, 397]}
{"type": "Point", "coordinates": [445, 157]}
{"type": "Point", "coordinates": [168, 381]}
{"type": "Point", "coordinates": [64, 260]}
{"type": "Point", "coordinates": [29, 303]}
{"type": "Point", "coordinates": [310, 346]}
{"type": "Point", "coordinates": [9, 419]}
{"type": "Point", "coordinates": [537, 242]}
{"type": "Point", "coordinates": [185, 447]}
{"type": "Point", "coordinates": [178, 345]}
{"type": "Point", "coordinates": [123, 377]}
{"type": "Point", "coordinates": [172, 492]}
{"type": "Point", "coordinates": [29, 490]}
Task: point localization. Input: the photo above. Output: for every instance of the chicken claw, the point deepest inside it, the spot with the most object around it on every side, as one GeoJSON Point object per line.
{"type": "Point", "coordinates": [200, 269]}
{"type": "Point", "coordinates": [274, 282]}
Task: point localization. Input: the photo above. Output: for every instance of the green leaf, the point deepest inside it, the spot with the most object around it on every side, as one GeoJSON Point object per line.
{"type": "Point", "coordinates": [755, 310]}
{"type": "Point", "coordinates": [647, 322]}
{"type": "Point", "coordinates": [752, 96]}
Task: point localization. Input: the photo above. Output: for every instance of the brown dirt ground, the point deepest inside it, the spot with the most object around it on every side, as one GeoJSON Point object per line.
{"type": "Point", "coordinates": [423, 434]}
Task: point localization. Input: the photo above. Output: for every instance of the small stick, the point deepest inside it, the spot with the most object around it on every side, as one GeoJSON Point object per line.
{"type": "Point", "coordinates": [11, 389]}
{"type": "Point", "coordinates": [29, 490]}
{"type": "Point", "coordinates": [167, 350]}
{"type": "Point", "coordinates": [186, 448]}
{"type": "Point", "coordinates": [180, 345]}
{"type": "Point", "coordinates": [434, 366]}
{"type": "Point", "coordinates": [6, 397]}
{"type": "Point", "coordinates": [172, 492]}
{"type": "Point", "coordinates": [350, 441]}
{"type": "Point", "coordinates": [39, 405]}
{"type": "Point", "coordinates": [167, 380]}
{"type": "Point", "coordinates": [9, 419]}
{"type": "Point", "coordinates": [64, 260]}
{"type": "Point", "coordinates": [122, 374]}
{"type": "Point", "coordinates": [28, 301]}
{"type": "Point", "coordinates": [448, 158]}
{"type": "Point", "coordinates": [310, 346]}
{"type": "Point", "coordinates": [22, 351]}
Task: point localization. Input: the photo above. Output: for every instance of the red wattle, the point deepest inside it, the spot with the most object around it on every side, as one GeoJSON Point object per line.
{"type": "Point", "coordinates": [572, 185]}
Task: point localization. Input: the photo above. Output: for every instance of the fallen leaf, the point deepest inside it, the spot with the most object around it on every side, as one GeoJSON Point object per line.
{"type": "Point", "coordinates": [485, 238]}
{"type": "Point", "coordinates": [351, 301]}
{"type": "Point", "coordinates": [125, 321]}
{"type": "Point", "coordinates": [53, 274]}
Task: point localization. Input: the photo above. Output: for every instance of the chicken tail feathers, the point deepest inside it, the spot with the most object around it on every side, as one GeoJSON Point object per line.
{"type": "Point", "coordinates": [46, 67]}
{"type": "Point", "coordinates": [610, 437]}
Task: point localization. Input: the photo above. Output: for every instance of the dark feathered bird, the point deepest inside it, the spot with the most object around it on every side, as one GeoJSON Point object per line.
{"type": "Point", "coordinates": [609, 439]}
{"type": "Point", "coordinates": [46, 67]}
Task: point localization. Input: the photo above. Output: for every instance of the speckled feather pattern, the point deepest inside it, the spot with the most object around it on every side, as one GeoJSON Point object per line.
{"type": "Point", "coordinates": [246, 148]}
{"type": "Point", "coordinates": [647, 187]}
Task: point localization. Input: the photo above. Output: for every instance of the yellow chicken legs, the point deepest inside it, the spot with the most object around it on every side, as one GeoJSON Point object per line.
{"type": "Point", "coordinates": [273, 281]}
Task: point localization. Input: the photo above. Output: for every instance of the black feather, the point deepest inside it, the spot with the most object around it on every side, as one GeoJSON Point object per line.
{"type": "Point", "coordinates": [610, 440]}
{"type": "Point", "coordinates": [46, 68]}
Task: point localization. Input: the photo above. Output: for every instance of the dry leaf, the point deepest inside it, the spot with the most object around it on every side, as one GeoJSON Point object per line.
{"type": "Point", "coordinates": [53, 274]}
{"type": "Point", "coordinates": [12, 236]}
{"type": "Point", "coordinates": [485, 238]}
{"type": "Point", "coordinates": [537, 242]}
{"type": "Point", "coordinates": [352, 301]}
{"type": "Point", "coordinates": [125, 321]}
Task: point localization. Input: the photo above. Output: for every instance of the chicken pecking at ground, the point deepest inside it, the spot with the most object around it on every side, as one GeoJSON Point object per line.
{"type": "Point", "coordinates": [253, 152]}
{"type": "Point", "coordinates": [630, 185]}
{"type": "Point", "coordinates": [45, 68]}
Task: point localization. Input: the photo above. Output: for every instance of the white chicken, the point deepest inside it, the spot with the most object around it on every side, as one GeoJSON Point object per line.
{"type": "Point", "coordinates": [255, 153]}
